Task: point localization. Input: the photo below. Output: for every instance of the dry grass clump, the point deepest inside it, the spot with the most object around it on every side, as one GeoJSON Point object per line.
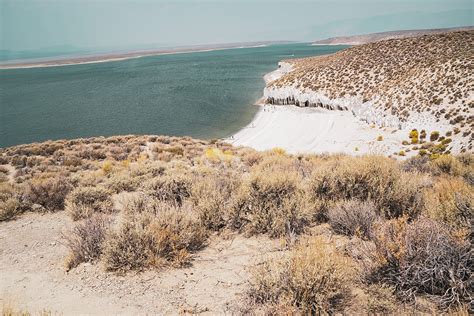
{"type": "Point", "coordinates": [353, 218]}
{"type": "Point", "coordinates": [83, 202]}
{"type": "Point", "coordinates": [86, 239]}
{"type": "Point", "coordinates": [451, 201]}
{"type": "Point", "coordinates": [313, 278]}
{"type": "Point", "coordinates": [423, 257]}
{"type": "Point", "coordinates": [375, 178]}
{"type": "Point", "coordinates": [49, 193]}
{"type": "Point", "coordinates": [152, 234]}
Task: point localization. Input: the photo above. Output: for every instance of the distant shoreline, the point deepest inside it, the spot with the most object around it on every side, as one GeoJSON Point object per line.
{"type": "Point", "coordinates": [354, 40]}
{"type": "Point", "coordinates": [129, 55]}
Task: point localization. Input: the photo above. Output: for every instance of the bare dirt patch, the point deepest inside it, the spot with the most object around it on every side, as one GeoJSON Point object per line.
{"type": "Point", "coordinates": [33, 275]}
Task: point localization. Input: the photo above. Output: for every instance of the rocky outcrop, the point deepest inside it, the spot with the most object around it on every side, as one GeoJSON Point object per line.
{"type": "Point", "coordinates": [291, 95]}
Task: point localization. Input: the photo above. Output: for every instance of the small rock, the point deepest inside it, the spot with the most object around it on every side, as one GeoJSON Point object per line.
{"type": "Point", "coordinates": [36, 208]}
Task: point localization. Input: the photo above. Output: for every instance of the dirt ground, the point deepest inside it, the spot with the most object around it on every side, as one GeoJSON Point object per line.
{"type": "Point", "coordinates": [33, 276]}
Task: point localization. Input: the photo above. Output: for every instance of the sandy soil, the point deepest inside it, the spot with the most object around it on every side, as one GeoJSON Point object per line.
{"type": "Point", "coordinates": [316, 130]}
{"type": "Point", "coordinates": [33, 275]}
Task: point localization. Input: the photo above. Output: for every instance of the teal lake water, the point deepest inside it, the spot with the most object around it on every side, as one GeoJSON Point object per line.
{"type": "Point", "coordinates": [203, 95]}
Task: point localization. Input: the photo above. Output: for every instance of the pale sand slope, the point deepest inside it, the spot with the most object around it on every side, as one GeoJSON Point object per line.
{"type": "Point", "coordinates": [316, 130]}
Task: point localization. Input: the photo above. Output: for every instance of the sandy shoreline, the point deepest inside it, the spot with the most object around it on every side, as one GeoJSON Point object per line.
{"type": "Point", "coordinates": [120, 56]}
{"type": "Point", "coordinates": [314, 130]}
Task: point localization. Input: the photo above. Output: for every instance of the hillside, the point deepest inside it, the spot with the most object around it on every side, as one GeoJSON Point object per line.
{"type": "Point", "coordinates": [156, 224]}
{"type": "Point", "coordinates": [424, 83]}
{"type": "Point", "coordinates": [375, 37]}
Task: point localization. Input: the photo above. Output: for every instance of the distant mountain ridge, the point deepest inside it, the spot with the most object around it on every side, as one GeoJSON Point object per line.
{"type": "Point", "coordinates": [375, 37]}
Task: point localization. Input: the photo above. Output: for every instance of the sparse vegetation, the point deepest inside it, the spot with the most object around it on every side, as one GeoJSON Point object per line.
{"type": "Point", "coordinates": [400, 230]}
{"type": "Point", "coordinates": [312, 278]}
{"type": "Point", "coordinates": [395, 80]}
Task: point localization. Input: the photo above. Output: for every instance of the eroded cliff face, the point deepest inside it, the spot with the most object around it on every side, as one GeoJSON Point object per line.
{"type": "Point", "coordinates": [293, 95]}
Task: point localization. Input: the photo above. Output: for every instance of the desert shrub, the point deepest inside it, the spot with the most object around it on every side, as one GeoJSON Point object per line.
{"type": "Point", "coordinates": [11, 201]}
{"type": "Point", "coordinates": [466, 159]}
{"type": "Point", "coordinates": [85, 240]}
{"type": "Point", "coordinates": [314, 278]}
{"type": "Point", "coordinates": [413, 134]}
{"type": "Point", "coordinates": [423, 258]}
{"type": "Point", "coordinates": [417, 164]}
{"type": "Point", "coordinates": [422, 152]}
{"type": "Point", "coordinates": [401, 153]}
{"type": "Point", "coordinates": [127, 248]}
{"type": "Point", "coordinates": [380, 299]}
{"type": "Point", "coordinates": [251, 157]}
{"type": "Point", "coordinates": [451, 201]}
{"type": "Point", "coordinates": [9, 208]}
{"type": "Point", "coordinates": [375, 178]}
{"type": "Point", "coordinates": [169, 188]}
{"type": "Point", "coordinates": [122, 182]}
{"type": "Point", "coordinates": [380, 138]}
{"type": "Point", "coordinates": [107, 167]}
{"type": "Point", "coordinates": [3, 177]}
{"type": "Point", "coordinates": [71, 161]}
{"type": "Point", "coordinates": [154, 169]}
{"type": "Point", "coordinates": [83, 202]}
{"type": "Point", "coordinates": [212, 198]}
{"type": "Point", "coordinates": [273, 203]}
{"type": "Point", "coordinates": [448, 164]}
{"type": "Point", "coordinates": [353, 218]}
{"type": "Point", "coordinates": [434, 136]}
{"type": "Point", "coordinates": [4, 170]}
{"type": "Point", "coordinates": [153, 234]}
{"type": "Point", "coordinates": [49, 193]}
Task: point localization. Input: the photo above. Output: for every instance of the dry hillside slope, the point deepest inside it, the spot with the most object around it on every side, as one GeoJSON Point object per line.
{"type": "Point", "coordinates": [168, 225]}
{"type": "Point", "coordinates": [423, 83]}
{"type": "Point", "coordinates": [374, 37]}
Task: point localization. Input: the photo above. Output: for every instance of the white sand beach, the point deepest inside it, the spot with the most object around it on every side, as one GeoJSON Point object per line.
{"type": "Point", "coordinates": [315, 130]}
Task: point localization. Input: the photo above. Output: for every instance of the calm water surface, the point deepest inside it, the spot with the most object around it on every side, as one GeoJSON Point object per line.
{"type": "Point", "coordinates": [203, 95]}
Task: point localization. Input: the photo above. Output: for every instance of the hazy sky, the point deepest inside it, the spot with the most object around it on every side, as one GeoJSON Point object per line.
{"type": "Point", "coordinates": [39, 24]}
